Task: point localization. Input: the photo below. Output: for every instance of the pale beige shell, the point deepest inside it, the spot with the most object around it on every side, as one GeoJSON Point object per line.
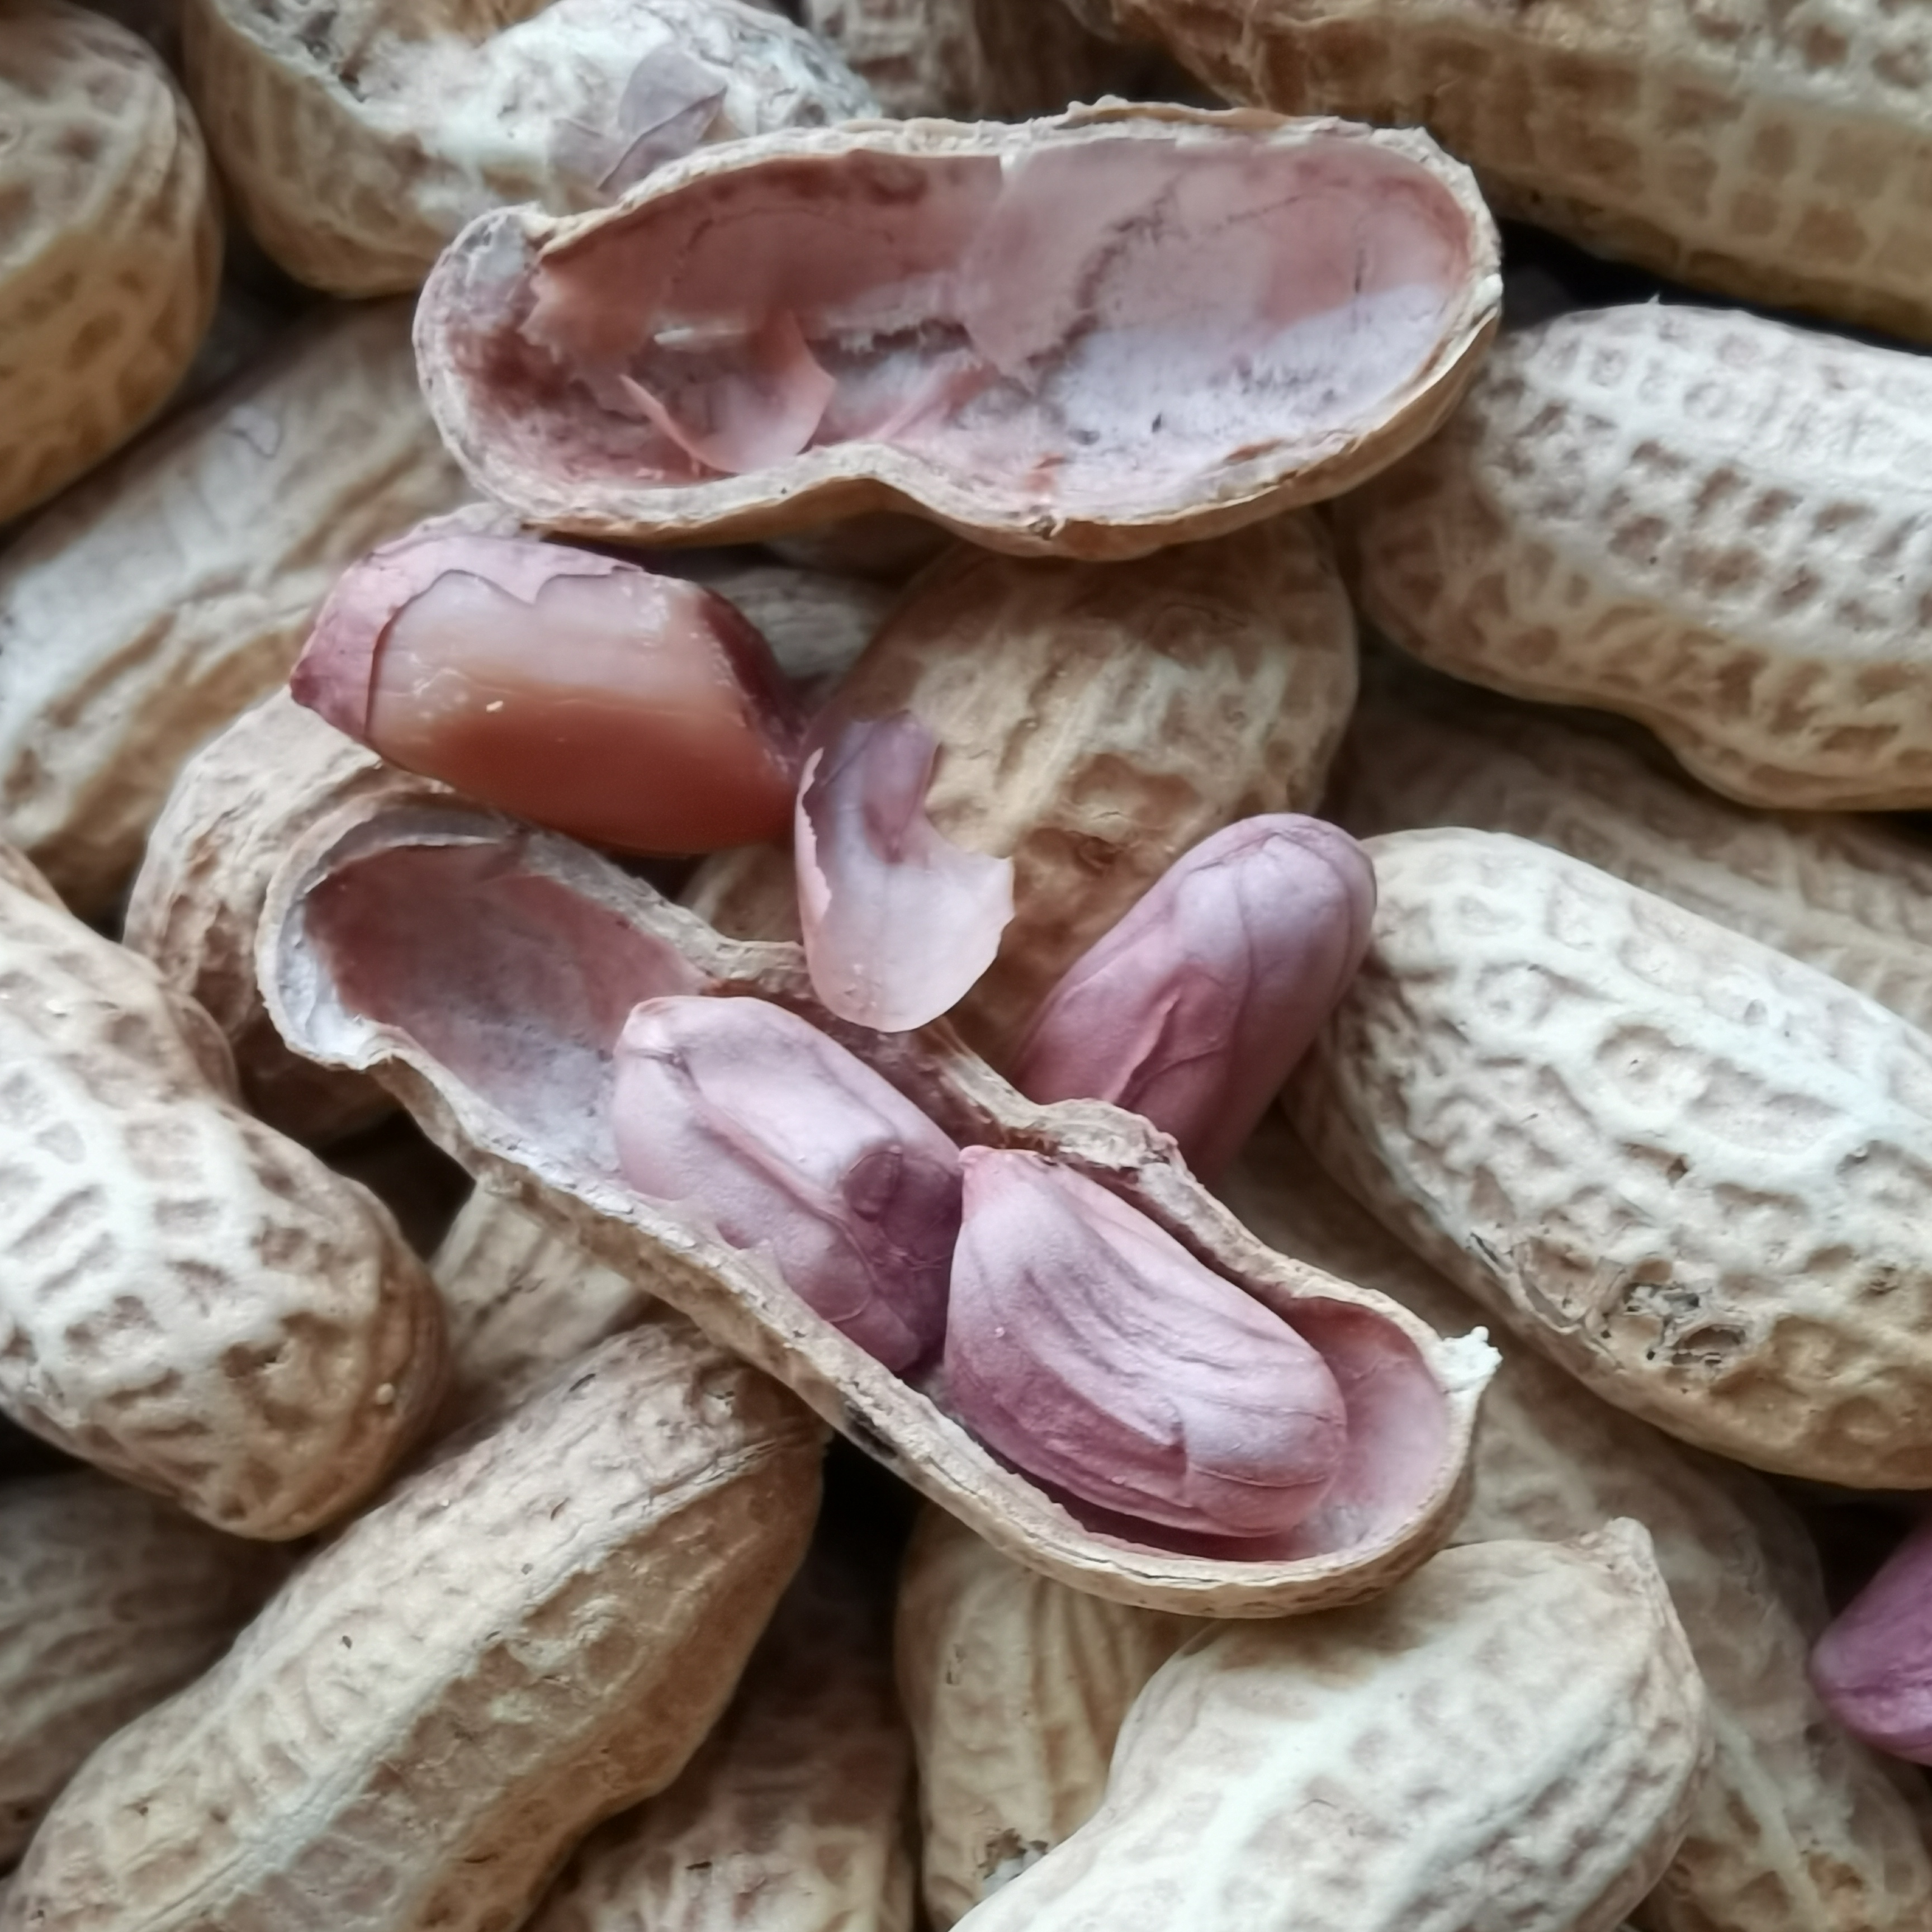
{"type": "Point", "coordinates": [1796, 1827]}
{"type": "Point", "coordinates": [1015, 1688]}
{"type": "Point", "coordinates": [111, 245]}
{"type": "Point", "coordinates": [523, 1300]}
{"type": "Point", "coordinates": [971, 59]}
{"type": "Point", "coordinates": [189, 1301]}
{"type": "Point", "coordinates": [109, 1601]}
{"type": "Point", "coordinates": [792, 1816]}
{"type": "Point", "coordinates": [1848, 895]}
{"type": "Point", "coordinates": [358, 142]}
{"type": "Point", "coordinates": [534, 1631]}
{"type": "Point", "coordinates": [358, 975]}
{"type": "Point", "coordinates": [1094, 722]}
{"type": "Point", "coordinates": [236, 805]}
{"type": "Point", "coordinates": [521, 445]}
{"type": "Point", "coordinates": [1688, 1169]}
{"type": "Point", "coordinates": [412, 1177]}
{"type": "Point", "coordinates": [1711, 523]}
{"type": "Point", "coordinates": [1774, 152]}
{"type": "Point", "coordinates": [1512, 1738]}
{"type": "Point", "coordinates": [142, 612]}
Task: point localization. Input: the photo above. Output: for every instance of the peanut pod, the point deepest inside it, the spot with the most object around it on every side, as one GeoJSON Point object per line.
{"type": "Point", "coordinates": [485, 972]}
{"type": "Point", "coordinates": [1707, 521]}
{"type": "Point", "coordinates": [534, 1631]}
{"type": "Point", "coordinates": [1513, 1735]}
{"type": "Point", "coordinates": [1688, 1169]}
{"type": "Point", "coordinates": [1004, 327]}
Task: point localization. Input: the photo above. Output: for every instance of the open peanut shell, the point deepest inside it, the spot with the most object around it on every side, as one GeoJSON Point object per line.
{"type": "Point", "coordinates": [483, 971]}
{"type": "Point", "coordinates": [1125, 327]}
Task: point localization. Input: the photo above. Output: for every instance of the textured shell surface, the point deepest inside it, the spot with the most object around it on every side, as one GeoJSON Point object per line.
{"type": "Point", "coordinates": [1688, 1169]}
{"type": "Point", "coordinates": [817, 622]}
{"type": "Point", "coordinates": [112, 245]}
{"type": "Point", "coordinates": [142, 612]}
{"type": "Point", "coordinates": [1796, 1826]}
{"type": "Point", "coordinates": [1043, 381]}
{"type": "Point", "coordinates": [1716, 524]}
{"type": "Point", "coordinates": [522, 1301]}
{"type": "Point", "coordinates": [531, 1632]}
{"type": "Point", "coordinates": [1513, 1737]}
{"type": "Point", "coordinates": [484, 973]}
{"type": "Point", "coordinates": [793, 1816]}
{"type": "Point", "coordinates": [1015, 1688]}
{"type": "Point", "coordinates": [1094, 722]}
{"type": "Point", "coordinates": [196, 901]}
{"type": "Point", "coordinates": [1847, 894]}
{"type": "Point", "coordinates": [1779, 153]}
{"type": "Point", "coordinates": [189, 1301]}
{"type": "Point", "coordinates": [358, 141]}
{"type": "Point", "coordinates": [109, 1601]}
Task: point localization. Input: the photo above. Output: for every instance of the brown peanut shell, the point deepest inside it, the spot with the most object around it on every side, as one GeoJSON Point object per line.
{"type": "Point", "coordinates": [1094, 722]}
{"type": "Point", "coordinates": [483, 972]}
{"type": "Point", "coordinates": [535, 1630]}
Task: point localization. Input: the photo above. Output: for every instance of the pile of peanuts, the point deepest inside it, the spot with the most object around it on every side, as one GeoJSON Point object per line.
{"type": "Point", "coordinates": [425, 1508]}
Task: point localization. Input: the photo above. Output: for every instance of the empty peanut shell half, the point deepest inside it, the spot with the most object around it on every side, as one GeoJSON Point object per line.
{"type": "Point", "coordinates": [1091, 336]}
{"type": "Point", "coordinates": [484, 973]}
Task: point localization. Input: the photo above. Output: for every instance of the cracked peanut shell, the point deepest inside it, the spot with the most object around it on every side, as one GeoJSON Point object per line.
{"type": "Point", "coordinates": [531, 1632]}
{"type": "Point", "coordinates": [484, 972]}
{"type": "Point", "coordinates": [1689, 1169]}
{"type": "Point", "coordinates": [1719, 525]}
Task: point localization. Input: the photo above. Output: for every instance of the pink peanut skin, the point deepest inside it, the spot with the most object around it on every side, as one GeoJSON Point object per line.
{"type": "Point", "coordinates": [1873, 1666]}
{"type": "Point", "coordinates": [1089, 1348]}
{"type": "Point", "coordinates": [786, 1142]}
{"type": "Point", "coordinates": [1194, 1010]}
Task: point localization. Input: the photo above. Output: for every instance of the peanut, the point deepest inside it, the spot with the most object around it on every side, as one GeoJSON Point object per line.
{"type": "Point", "coordinates": [1685, 1167]}
{"type": "Point", "coordinates": [532, 1632]}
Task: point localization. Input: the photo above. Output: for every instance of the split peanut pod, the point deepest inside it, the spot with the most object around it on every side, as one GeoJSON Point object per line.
{"type": "Point", "coordinates": [112, 247]}
{"type": "Point", "coordinates": [1687, 1168]}
{"type": "Point", "coordinates": [1844, 893]}
{"type": "Point", "coordinates": [485, 973]}
{"type": "Point", "coordinates": [1707, 521]}
{"type": "Point", "coordinates": [1776, 154]}
{"type": "Point", "coordinates": [109, 1601]}
{"type": "Point", "coordinates": [357, 143]}
{"type": "Point", "coordinates": [1096, 335]}
{"type": "Point", "coordinates": [1093, 723]}
{"type": "Point", "coordinates": [534, 1631]}
{"type": "Point", "coordinates": [188, 1300]}
{"type": "Point", "coordinates": [1795, 1827]}
{"type": "Point", "coordinates": [1513, 1736]}
{"type": "Point", "coordinates": [142, 612]}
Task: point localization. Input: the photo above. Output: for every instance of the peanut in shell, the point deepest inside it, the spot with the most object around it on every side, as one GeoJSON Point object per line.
{"type": "Point", "coordinates": [484, 972]}
{"type": "Point", "coordinates": [1719, 525]}
{"type": "Point", "coordinates": [1688, 1169]}
{"type": "Point", "coordinates": [111, 248]}
{"type": "Point", "coordinates": [533, 1631]}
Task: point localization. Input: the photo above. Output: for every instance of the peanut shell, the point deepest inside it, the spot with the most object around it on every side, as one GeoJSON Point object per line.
{"type": "Point", "coordinates": [1715, 524]}
{"type": "Point", "coordinates": [189, 1301]}
{"type": "Point", "coordinates": [1796, 1827]}
{"type": "Point", "coordinates": [484, 972]}
{"type": "Point", "coordinates": [111, 248]}
{"type": "Point", "coordinates": [142, 612]}
{"type": "Point", "coordinates": [357, 144]}
{"type": "Point", "coordinates": [1685, 1167]}
{"type": "Point", "coordinates": [109, 1601]}
{"type": "Point", "coordinates": [1847, 894]}
{"type": "Point", "coordinates": [1776, 153]}
{"type": "Point", "coordinates": [530, 327]}
{"type": "Point", "coordinates": [1093, 724]}
{"type": "Point", "coordinates": [535, 1630]}
{"type": "Point", "coordinates": [1513, 1737]}
{"type": "Point", "coordinates": [792, 1817]}
{"type": "Point", "coordinates": [1015, 1688]}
